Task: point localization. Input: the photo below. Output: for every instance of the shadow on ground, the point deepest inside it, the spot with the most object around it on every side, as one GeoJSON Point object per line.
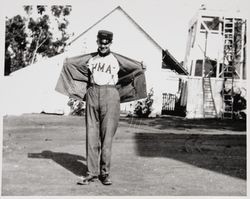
{"type": "Point", "coordinates": [225, 154]}
{"type": "Point", "coordinates": [68, 161]}
{"type": "Point", "coordinates": [170, 122]}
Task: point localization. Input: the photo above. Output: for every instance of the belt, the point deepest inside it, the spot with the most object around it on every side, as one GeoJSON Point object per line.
{"type": "Point", "coordinates": [103, 86]}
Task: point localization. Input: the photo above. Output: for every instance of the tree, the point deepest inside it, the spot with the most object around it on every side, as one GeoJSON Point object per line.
{"type": "Point", "coordinates": [15, 44]}
{"type": "Point", "coordinates": [41, 31]}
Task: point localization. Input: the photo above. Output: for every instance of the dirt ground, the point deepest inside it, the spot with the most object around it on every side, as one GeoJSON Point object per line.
{"type": "Point", "coordinates": [43, 155]}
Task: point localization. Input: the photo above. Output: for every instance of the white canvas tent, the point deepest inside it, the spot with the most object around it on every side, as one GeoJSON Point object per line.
{"type": "Point", "coordinates": [31, 89]}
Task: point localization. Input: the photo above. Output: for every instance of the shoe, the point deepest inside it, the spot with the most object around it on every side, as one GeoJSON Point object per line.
{"type": "Point", "coordinates": [105, 179]}
{"type": "Point", "coordinates": [87, 180]}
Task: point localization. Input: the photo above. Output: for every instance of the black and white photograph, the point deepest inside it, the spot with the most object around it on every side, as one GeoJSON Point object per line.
{"type": "Point", "coordinates": [124, 98]}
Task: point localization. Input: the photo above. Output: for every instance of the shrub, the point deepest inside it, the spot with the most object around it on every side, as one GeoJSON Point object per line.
{"type": "Point", "coordinates": [144, 108]}
{"type": "Point", "coordinates": [77, 107]}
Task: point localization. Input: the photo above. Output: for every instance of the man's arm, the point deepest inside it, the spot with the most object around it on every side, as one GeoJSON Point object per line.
{"type": "Point", "coordinates": [74, 76]}
{"type": "Point", "coordinates": [132, 82]}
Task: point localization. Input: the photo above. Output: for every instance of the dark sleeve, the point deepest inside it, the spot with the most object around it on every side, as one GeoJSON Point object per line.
{"type": "Point", "coordinates": [131, 79]}
{"type": "Point", "coordinates": [74, 77]}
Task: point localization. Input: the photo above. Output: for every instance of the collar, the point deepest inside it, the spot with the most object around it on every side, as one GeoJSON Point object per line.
{"type": "Point", "coordinates": [103, 54]}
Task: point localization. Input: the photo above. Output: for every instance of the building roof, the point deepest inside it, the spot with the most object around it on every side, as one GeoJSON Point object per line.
{"type": "Point", "coordinates": [169, 61]}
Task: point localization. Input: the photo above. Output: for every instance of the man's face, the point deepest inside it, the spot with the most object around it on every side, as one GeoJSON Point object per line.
{"type": "Point", "coordinates": [103, 45]}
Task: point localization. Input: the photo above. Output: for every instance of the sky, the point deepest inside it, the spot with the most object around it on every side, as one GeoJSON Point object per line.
{"type": "Point", "coordinates": [166, 21]}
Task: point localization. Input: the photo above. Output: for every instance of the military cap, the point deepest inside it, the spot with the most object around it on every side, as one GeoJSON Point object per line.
{"type": "Point", "coordinates": [104, 34]}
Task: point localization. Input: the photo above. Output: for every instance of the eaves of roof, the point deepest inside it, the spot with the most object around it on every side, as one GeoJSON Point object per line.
{"type": "Point", "coordinates": [172, 63]}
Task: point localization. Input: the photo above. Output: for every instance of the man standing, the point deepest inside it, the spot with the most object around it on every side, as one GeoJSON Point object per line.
{"type": "Point", "coordinates": [102, 109]}
{"type": "Point", "coordinates": [107, 79]}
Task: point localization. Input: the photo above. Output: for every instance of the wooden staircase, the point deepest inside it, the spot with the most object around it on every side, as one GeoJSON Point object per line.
{"type": "Point", "coordinates": [209, 108]}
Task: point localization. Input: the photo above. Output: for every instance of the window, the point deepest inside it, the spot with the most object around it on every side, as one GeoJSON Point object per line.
{"type": "Point", "coordinates": [212, 23]}
{"type": "Point", "coordinates": [210, 68]}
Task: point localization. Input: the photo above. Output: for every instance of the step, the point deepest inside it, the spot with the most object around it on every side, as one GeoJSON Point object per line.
{"type": "Point", "coordinates": [228, 100]}
{"type": "Point", "coordinates": [229, 55]}
{"type": "Point", "coordinates": [210, 115]}
{"type": "Point", "coordinates": [208, 99]}
{"type": "Point", "coordinates": [229, 96]}
{"type": "Point", "coordinates": [228, 105]}
{"type": "Point", "coordinates": [209, 102]}
{"type": "Point", "coordinates": [210, 108]}
{"type": "Point", "coordinates": [209, 105]}
{"type": "Point", "coordinates": [228, 108]}
{"type": "Point", "coordinates": [227, 111]}
{"type": "Point", "coordinates": [209, 112]}
{"type": "Point", "coordinates": [227, 116]}
{"type": "Point", "coordinates": [207, 115]}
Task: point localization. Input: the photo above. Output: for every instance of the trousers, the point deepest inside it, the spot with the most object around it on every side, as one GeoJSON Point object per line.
{"type": "Point", "coordinates": [102, 117]}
